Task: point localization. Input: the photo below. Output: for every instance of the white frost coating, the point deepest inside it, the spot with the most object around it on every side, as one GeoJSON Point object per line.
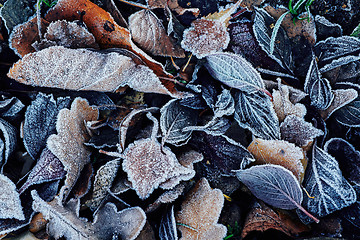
{"type": "Point", "coordinates": [9, 200]}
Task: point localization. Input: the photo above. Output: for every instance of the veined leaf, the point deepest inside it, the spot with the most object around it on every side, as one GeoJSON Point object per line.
{"type": "Point", "coordinates": [234, 71]}
{"type": "Point", "coordinates": [167, 230]}
{"type": "Point", "coordinates": [255, 112]}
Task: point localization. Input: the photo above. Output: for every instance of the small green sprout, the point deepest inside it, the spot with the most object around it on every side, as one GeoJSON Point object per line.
{"type": "Point", "coordinates": [49, 3]}
{"type": "Point", "coordinates": [233, 231]}
{"type": "Point", "coordinates": [300, 7]}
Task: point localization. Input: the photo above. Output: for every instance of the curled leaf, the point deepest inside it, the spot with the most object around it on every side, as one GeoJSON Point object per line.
{"type": "Point", "coordinates": [8, 140]}
{"type": "Point", "coordinates": [10, 200]}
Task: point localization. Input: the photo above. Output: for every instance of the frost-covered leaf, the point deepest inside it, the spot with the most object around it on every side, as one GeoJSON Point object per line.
{"type": "Point", "coordinates": [283, 106]}
{"type": "Point", "coordinates": [344, 69]}
{"type": "Point", "coordinates": [256, 113]}
{"type": "Point", "coordinates": [200, 212]}
{"type": "Point", "coordinates": [8, 140]}
{"type": "Point", "coordinates": [15, 12]}
{"type": "Point", "coordinates": [149, 164]}
{"type": "Point", "coordinates": [167, 197]}
{"type": "Point", "coordinates": [297, 130]}
{"type": "Point", "coordinates": [318, 88]}
{"type": "Point", "coordinates": [326, 183]}
{"type": "Point", "coordinates": [102, 183]}
{"type": "Point", "coordinates": [234, 71]}
{"type": "Point", "coordinates": [103, 72]}
{"type": "Point", "coordinates": [48, 168]}
{"type": "Point", "coordinates": [171, 4]}
{"type": "Point", "coordinates": [224, 105]}
{"type": "Point", "coordinates": [10, 200]}
{"type": "Point", "coordinates": [333, 48]}
{"type": "Point", "coordinates": [347, 156]}
{"type": "Point", "coordinates": [215, 127]}
{"type": "Point", "coordinates": [10, 108]}
{"type": "Point", "coordinates": [326, 29]}
{"type": "Point", "coordinates": [40, 120]}
{"type": "Point", "coordinates": [209, 34]}
{"type": "Point", "coordinates": [174, 118]}
{"type": "Point", "coordinates": [167, 229]}
{"type": "Point", "coordinates": [147, 31]}
{"type": "Point", "coordinates": [112, 224]}
{"type": "Point", "coordinates": [279, 152]}
{"type": "Point", "coordinates": [262, 29]}
{"type": "Point", "coordinates": [68, 143]}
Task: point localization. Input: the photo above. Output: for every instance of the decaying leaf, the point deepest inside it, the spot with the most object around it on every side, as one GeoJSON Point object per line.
{"type": "Point", "coordinates": [174, 118]}
{"type": "Point", "coordinates": [68, 143]}
{"type": "Point", "coordinates": [147, 31]}
{"type": "Point", "coordinates": [281, 153]}
{"type": "Point", "coordinates": [10, 108]}
{"type": "Point", "coordinates": [10, 200]}
{"type": "Point", "coordinates": [209, 34]}
{"type": "Point", "coordinates": [200, 212]}
{"type": "Point", "coordinates": [40, 120]}
{"type": "Point", "coordinates": [84, 70]}
{"type": "Point", "coordinates": [262, 218]}
{"type": "Point", "coordinates": [326, 183]}
{"type": "Point", "coordinates": [102, 183]}
{"type": "Point", "coordinates": [148, 164]}
{"type": "Point", "coordinates": [15, 12]}
{"type": "Point", "coordinates": [173, 5]}
{"type": "Point", "coordinates": [326, 29]}
{"type": "Point", "coordinates": [344, 69]}
{"type": "Point", "coordinates": [297, 130]}
{"type": "Point", "coordinates": [47, 168]}
{"type": "Point", "coordinates": [167, 229]}
{"type": "Point", "coordinates": [167, 197]}
{"type": "Point", "coordinates": [284, 107]}
{"type": "Point", "coordinates": [216, 126]}
{"type": "Point", "coordinates": [8, 141]}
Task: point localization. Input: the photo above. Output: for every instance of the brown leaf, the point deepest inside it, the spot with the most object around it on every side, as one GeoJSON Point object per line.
{"type": "Point", "coordinates": [173, 5]}
{"type": "Point", "coordinates": [38, 222]}
{"type": "Point", "coordinates": [200, 212]}
{"type": "Point", "coordinates": [68, 143]}
{"type": "Point", "coordinates": [250, 4]}
{"type": "Point", "coordinates": [167, 197]}
{"type": "Point", "coordinates": [262, 218]}
{"type": "Point", "coordinates": [279, 152]}
{"type": "Point", "coordinates": [84, 70]}
{"type": "Point", "coordinates": [341, 98]}
{"type": "Point", "coordinates": [148, 31]}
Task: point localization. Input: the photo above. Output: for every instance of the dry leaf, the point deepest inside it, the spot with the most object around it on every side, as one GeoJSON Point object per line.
{"type": "Point", "coordinates": [279, 152]}
{"type": "Point", "coordinates": [284, 107]}
{"type": "Point", "coordinates": [68, 143]}
{"type": "Point", "coordinates": [262, 218]}
{"type": "Point", "coordinates": [167, 197]}
{"type": "Point", "coordinates": [173, 5]}
{"type": "Point", "coordinates": [148, 164]}
{"type": "Point", "coordinates": [200, 212]}
{"type": "Point", "coordinates": [149, 33]}
{"type": "Point", "coordinates": [38, 222]}
{"type": "Point", "coordinates": [209, 34]}
{"type": "Point", "coordinates": [10, 200]}
{"type": "Point", "coordinates": [84, 70]}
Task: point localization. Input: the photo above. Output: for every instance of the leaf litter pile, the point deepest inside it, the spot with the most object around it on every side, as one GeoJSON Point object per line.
{"type": "Point", "coordinates": [174, 119]}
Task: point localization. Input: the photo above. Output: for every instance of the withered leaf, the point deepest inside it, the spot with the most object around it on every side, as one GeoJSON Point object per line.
{"type": "Point", "coordinates": [167, 197]}
{"type": "Point", "coordinates": [10, 200]}
{"type": "Point", "coordinates": [84, 70]}
{"type": "Point", "coordinates": [326, 29]}
{"type": "Point", "coordinates": [318, 88]}
{"type": "Point", "coordinates": [255, 112]}
{"type": "Point", "coordinates": [102, 183]}
{"type": "Point", "coordinates": [8, 140]}
{"type": "Point", "coordinates": [40, 120]}
{"type": "Point", "coordinates": [48, 168]}
{"type": "Point", "coordinates": [147, 31]}
{"type": "Point", "coordinates": [68, 143]}
{"type": "Point", "coordinates": [325, 181]}
{"type": "Point", "coordinates": [10, 108]}
{"type": "Point", "coordinates": [149, 164]}
{"type": "Point", "coordinates": [171, 4]}
{"type": "Point", "coordinates": [15, 12]}
{"type": "Point", "coordinates": [167, 229]}
{"type": "Point", "coordinates": [343, 69]}
{"type": "Point", "coordinates": [174, 118]}
{"type": "Point", "coordinates": [281, 153]}
{"type": "Point", "coordinates": [216, 126]}
{"type": "Point", "coordinates": [112, 224]}
{"type": "Point", "coordinates": [200, 212]}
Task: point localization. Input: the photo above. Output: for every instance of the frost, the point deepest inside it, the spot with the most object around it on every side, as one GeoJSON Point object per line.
{"type": "Point", "coordinates": [200, 212]}
{"type": "Point", "coordinates": [344, 69]}
{"type": "Point", "coordinates": [10, 200]}
{"type": "Point", "coordinates": [325, 28]}
{"type": "Point", "coordinates": [225, 104]}
{"type": "Point", "coordinates": [84, 70]}
{"type": "Point", "coordinates": [11, 108]}
{"type": "Point", "coordinates": [215, 127]}
{"type": "Point", "coordinates": [8, 141]}
{"type": "Point", "coordinates": [167, 197]}
{"type": "Point", "coordinates": [167, 229]}
{"type": "Point", "coordinates": [147, 30]}
{"type": "Point", "coordinates": [15, 12]}
{"type": "Point", "coordinates": [297, 130]}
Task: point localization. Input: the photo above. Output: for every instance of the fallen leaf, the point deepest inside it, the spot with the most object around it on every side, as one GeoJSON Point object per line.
{"type": "Point", "coordinates": [38, 222]}
{"type": "Point", "coordinates": [216, 126]}
{"type": "Point", "coordinates": [343, 69]}
{"type": "Point", "coordinates": [10, 200]}
{"type": "Point", "coordinates": [148, 164]}
{"type": "Point", "coordinates": [173, 5]}
{"type": "Point", "coordinates": [296, 130]}
{"type": "Point", "coordinates": [15, 12]}
{"type": "Point", "coordinates": [326, 183]}
{"type": "Point", "coordinates": [11, 108]}
{"type": "Point", "coordinates": [167, 229]}
{"type": "Point", "coordinates": [326, 29]}
{"type": "Point", "coordinates": [103, 72]}
{"type": "Point", "coordinates": [83, 184]}
{"type": "Point", "coordinates": [279, 152]}
{"type": "Point", "coordinates": [262, 218]}
{"type": "Point", "coordinates": [200, 212]}
{"type": "Point", "coordinates": [47, 168]}
{"type": "Point", "coordinates": [40, 120]}
{"type": "Point", "coordinates": [167, 197]}
{"type": "Point", "coordinates": [68, 143]}
{"type": "Point", "coordinates": [209, 34]}
{"type": "Point", "coordinates": [8, 141]}
{"type": "Point", "coordinates": [149, 33]}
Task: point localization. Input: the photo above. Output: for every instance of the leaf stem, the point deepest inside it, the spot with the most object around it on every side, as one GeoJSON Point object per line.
{"type": "Point", "coordinates": [133, 4]}
{"type": "Point", "coordinates": [307, 213]}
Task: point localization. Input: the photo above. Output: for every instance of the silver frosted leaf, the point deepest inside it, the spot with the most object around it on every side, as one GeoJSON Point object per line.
{"type": "Point", "coordinates": [40, 121]}
{"type": "Point", "coordinates": [167, 229]}
{"type": "Point", "coordinates": [326, 183]}
{"type": "Point", "coordinates": [216, 126]}
{"type": "Point", "coordinates": [15, 12]}
{"type": "Point", "coordinates": [10, 108]}
{"type": "Point", "coordinates": [282, 52]}
{"type": "Point", "coordinates": [273, 184]}
{"type": "Point", "coordinates": [225, 104]}
{"type": "Point", "coordinates": [8, 140]}
{"type": "Point", "coordinates": [174, 118]}
{"type": "Point", "coordinates": [10, 200]}
{"type": "Point", "coordinates": [318, 88]}
{"type": "Point", "coordinates": [343, 69]}
{"type": "Point", "coordinates": [255, 112]}
{"type": "Point", "coordinates": [234, 71]}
